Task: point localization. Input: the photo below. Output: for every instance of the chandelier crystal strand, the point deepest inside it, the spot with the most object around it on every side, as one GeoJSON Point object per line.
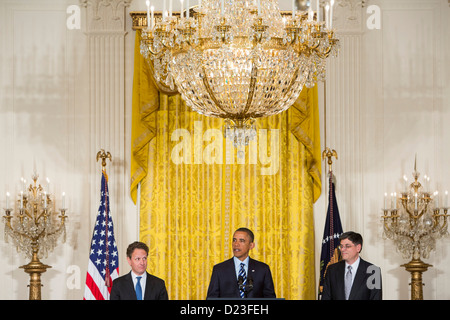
{"type": "Point", "coordinates": [238, 60]}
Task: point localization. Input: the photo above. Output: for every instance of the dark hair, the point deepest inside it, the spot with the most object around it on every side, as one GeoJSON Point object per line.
{"type": "Point", "coordinates": [354, 237]}
{"type": "Point", "coordinates": [249, 232]}
{"type": "Point", "coordinates": [136, 245]}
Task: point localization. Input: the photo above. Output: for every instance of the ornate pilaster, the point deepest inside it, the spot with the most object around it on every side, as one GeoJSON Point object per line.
{"type": "Point", "coordinates": [105, 15]}
{"type": "Point", "coordinates": [105, 28]}
{"type": "Point", "coordinates": [342, 116]}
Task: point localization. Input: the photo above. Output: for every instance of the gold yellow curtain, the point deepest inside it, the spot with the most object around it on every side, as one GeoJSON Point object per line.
{"type": "Point", "coordinates": [196, 189]}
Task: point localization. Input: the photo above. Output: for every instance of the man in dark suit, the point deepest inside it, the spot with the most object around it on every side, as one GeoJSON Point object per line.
{"type": "Point", "coordinates": [352, 278]}
{"type": "Point", "coordinates": [138, 284]}
{"type": "Point", "coordinates": [241, 276]}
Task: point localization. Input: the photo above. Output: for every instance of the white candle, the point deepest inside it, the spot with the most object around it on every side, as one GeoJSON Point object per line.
{"type": "Point", "coordinates": [45, 200]}
{"type": "Point", "coordinates": [395, 200]}
{"type": "Point", "coordinates": [331, 13]}
{"type": "Point", "coordinates": [170, 8]}
{"type": "Point", "coordinates": [222, 8]}
{"type": "Point", "coordinates": [310, 14]}
{"type": "Point", "coordinates": [21, 199]}
{"type": "Point", "coordinates": [392, 200]}
{"type": "Point", "coordinates": [7, 200]}
{"type": "Point", "coordinates": [446, 199]}
{"type": "Point", "coordinates": [318, 11]}
{"type": "Point", "coordinates": [164, 10]}
{"type": "Point", "coordinates": [148, 14]}
{"type": "Point", "coordinates": [293, 8]}
{"type": "Point", "coordinates": [63, 200]}
{"type": "Point", "coordinates": [385, 200]}
{"type": "Point", "coordinates": [406, 183]}
{"type": "Point", "coordinates": [181, 10]}
{"type": "Point", "coordinates": [187, 9]}
{"type": "Point", "coordinates": [259, 7]}
{"type": "Point", "coordinates": [327, 23]}
{"type": "Point", "coordinates": [153, 17]}
{"type": "Point", "coordinates": [436, 199]}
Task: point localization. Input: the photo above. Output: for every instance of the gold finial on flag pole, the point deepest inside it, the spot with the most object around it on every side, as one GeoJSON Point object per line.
{"type": "Point", "coordinates": [328, 153]}
{"type": "Point", "coordinates": [104, 155]}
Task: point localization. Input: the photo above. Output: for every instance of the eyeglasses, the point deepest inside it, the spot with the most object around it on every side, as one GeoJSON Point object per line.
{"type": "Point", "coordinates": [347, 246]}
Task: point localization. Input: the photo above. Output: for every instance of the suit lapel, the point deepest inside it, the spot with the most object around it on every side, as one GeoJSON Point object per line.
{"type": "Point", "coordinates": [231, 270]}
{"type": "Point", "coordinates": [148, 286]}
{"type": "Point", "coordinates": [130, 286]}
{"type": "Point", "coordinates": [251, 268]}
{"type": "Point", "coordinates": [341, 275]}
{"type": "Point", "coordinates": [359, 279]}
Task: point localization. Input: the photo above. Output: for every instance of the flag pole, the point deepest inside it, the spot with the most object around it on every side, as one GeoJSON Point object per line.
{"type": "Point", "coordinates": [103, 155]}
{"type": "Point", "coordinates": [106, 155]}
{"type": "Point", "coordinates": [329, 154]}
{"type": "Point", "coordinates": [103, 263]}
{"type": "Point", "coordinates": [333, 227]}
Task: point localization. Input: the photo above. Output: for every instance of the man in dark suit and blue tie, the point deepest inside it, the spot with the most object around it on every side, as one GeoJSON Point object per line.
{"type": "Point", "coordinates": [352, 278]}
{"type": "Point", "coordinates": [138, 284]}
{"type": "Point", "coordinates": [241, 276]}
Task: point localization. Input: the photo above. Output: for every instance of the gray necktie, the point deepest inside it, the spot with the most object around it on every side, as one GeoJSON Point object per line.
{"type": "Point", "coordinates": [348, 282]}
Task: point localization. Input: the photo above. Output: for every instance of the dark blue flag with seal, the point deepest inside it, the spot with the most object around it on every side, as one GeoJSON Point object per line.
{"type": "Point", "coordinates": [332, 231]}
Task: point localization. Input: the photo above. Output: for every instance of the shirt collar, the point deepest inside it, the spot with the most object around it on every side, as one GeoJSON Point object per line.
{"type": "Point", "coordinates": [238, 262]}
{"type": "Point", "coordinates": [354, 264]}
{"type": "Point", "coordinates": [134, 276]}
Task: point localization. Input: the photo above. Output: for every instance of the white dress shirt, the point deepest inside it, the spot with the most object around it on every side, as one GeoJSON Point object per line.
{"type": "Point", "coordinates": [237, 265]}
{"type": "Point", "coordinates": [143, 281]}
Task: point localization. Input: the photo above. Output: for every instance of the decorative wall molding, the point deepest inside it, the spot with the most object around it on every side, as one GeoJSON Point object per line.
{"type": "Point", "coordinates": [105, 15]}
{"type": "Point", "coordinates": [347, 15]}
{"type": "Point", "coordinates": [343, 126]}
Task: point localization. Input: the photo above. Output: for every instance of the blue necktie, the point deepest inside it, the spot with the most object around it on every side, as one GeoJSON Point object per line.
{"type": "Point", "coordinates": [244, 278]}
{"type": "Point", "coordinates": [138, 289]}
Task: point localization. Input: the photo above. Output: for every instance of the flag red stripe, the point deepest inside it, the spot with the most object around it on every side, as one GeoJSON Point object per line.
{"type": "Point", "coordinates": [93, 287]}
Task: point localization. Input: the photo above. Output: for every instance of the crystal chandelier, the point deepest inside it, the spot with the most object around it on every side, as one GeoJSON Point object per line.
{"type": "Point", "coordinates": [34, 229]}
{"type": "Point", "coordinates": [414, 222]}
{"type": "Point", "coordinates": [238, 59]}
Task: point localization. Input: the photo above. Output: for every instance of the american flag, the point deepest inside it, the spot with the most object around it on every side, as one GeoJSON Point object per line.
{"type": "Point", "coordinates": [103, 265]}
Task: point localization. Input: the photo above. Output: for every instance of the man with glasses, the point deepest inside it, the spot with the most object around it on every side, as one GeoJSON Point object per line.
{"type": "Point", "coordinates": [352, 278]}
{"type": "Point", "coordinates": [138, 284]}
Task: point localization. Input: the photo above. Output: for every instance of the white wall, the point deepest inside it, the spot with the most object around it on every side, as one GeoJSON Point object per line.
{"type": "Point", "coordinates": [65, 94]}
